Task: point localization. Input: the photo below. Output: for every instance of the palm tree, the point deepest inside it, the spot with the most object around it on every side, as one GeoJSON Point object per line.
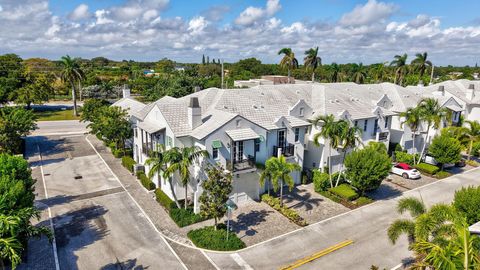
{"type": "Point", "coordinates": [329, 131]}
{"type": "Point", "coordinates": [415, 207]}
{"type": "Point", "coordinates": [179, 160]}
{"type": "Point", "coordinates": [71, 73]}
{"type": "Point", "coordinates": [312, 60]}
{"type": "Point", "coordinates": [158, 164]}
{"type": "Point", "coordinates": [281, 171]}
{"type": "Point", "coordinates": [350, 137]}
{"type": "Point", "coordinates": [413, 119]}
{"type": "Point", "coordinates": [378, 72]}
{"type": "Point", "coordinates": [421, 63]}
{"type": "Point", "coordinates": [335, 72]}
{"type": "Point", "coordinates": [401, 68]}
{"type": "Point", "coordinates": [266, 176]}
{"type": "Point", "coordinates": [360, 74]}
{"type": "Point", "coordinates": [431, 113]}
{"type": "Point", "coordinates": [472, 132]}
{"type": "Point", "coordinates": [288, 61]}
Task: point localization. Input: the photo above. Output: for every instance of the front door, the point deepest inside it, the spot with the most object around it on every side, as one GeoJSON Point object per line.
{"type": "Point", "coordinates": [281, 138]}
{"type": "Point", "coordinates": [238, 151]}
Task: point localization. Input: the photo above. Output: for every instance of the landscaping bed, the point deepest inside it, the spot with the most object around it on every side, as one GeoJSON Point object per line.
{"type": "Point", "coordinates": [212, 239]}
{"type": "Point", "coordinates": [181, 216]}
{"type": "Point", "coordinates": [291, 214]}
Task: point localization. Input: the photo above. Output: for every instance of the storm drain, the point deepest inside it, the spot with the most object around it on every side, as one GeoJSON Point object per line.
{"type": "Point", "coordinates": [78, 177]}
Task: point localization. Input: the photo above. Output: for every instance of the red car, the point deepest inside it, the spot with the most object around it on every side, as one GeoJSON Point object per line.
{"type": "Point", "coordinates": [405, 171]}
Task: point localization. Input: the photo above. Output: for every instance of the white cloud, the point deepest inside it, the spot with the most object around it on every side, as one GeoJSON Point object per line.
{"type": "Point", "coordinates": [101, 16]}
{"type": "Point", "coordinates": [150, 14]}
{"type": "Point", "coordinates": [1, 8]}
{"type": "Point", "coordinates": [79, 13]}
{"type": "Point", "coordinates": [197, 24]}
{"type": "Point", "coordinates": [371, 12]}
{"type": "Point", "coordinates": [253, 14]}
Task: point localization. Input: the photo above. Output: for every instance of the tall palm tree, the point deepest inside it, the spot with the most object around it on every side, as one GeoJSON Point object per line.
{"type": "Point", "coordinates": [421, 63]}
{"type": "Point", "coordinates": [432, 114]}
{"type": "Point", "coordinates": [158, 164]}
{"type": "Point", "coordinates": [413, 119]}
{"type": "Point", "coordinates": [180, 160]}
{"type": "Point", "coordinates": [378, 72]}
{"type": "Point", "coordinates": [329, 130]}
{"type": "Point", "coordinates": [266, 176]}
{"type": "Point", "coordinates": [312, 60]}
{"type": "Point", "coordinates": [281, 171]}
{"type": "Point", "coordinates": [335, 72]}
{"type": "Point", "coordinates": [415, 208]}
{"type": "Point", "coordinates": [288, 61]}
{"type": "Point", "coordinates": [401, 68]}
{"type": "Point", "coordinates": [472, 132]}
{"type": "Point", "coordinates": [71, 73]}
{"type": "Point", "coordinates": [350, 137]}
{"type": "Point", "coordinates": [360, 74]}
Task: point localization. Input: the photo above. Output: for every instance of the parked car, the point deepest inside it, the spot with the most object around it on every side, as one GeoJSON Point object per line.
{"type": "Point", "coordinates": [431, 160]}
{"type": "Point", "coordinates": [406, 171]}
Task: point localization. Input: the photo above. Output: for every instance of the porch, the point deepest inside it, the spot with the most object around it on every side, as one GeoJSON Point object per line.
{"type": "Point", "coordinates": [243, 146]}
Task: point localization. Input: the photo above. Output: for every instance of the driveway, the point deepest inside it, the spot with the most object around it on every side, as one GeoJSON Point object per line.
{"type": "Point", "coordinates": [365, 226]}
{"type": "Point", "coordinates": [97, 224]}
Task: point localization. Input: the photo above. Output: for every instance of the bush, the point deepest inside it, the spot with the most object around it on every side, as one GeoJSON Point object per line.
{"type": "Point", "coordinates": [442, 174]}
{"type": "Point", "coordinates": [403, 157]}
{"type": "Point", "coordinates": [287, 212]}
{"type": "Point", "coordinates": [398, 148]}
{"type": "Point", "coordinates": [363, 201]}
{"type": "Point", "coordinates": [128, 163]}
{"type": "Point", "coordinates": [184, 217]}
{"type": "Point", "coordinates": [209, 238]}
{"type": "Point", "coordinates": [472, 163]}
{"type": "Point", "coordinates": [445, 149]}
{"type": "Point", "coordinates": [476, 149]}
{"type": "Point", "coordinates": [321, 181]}
{"type": "Point", "coordinates": [118, 153]}
{"type": "Point", "coordinates": [344, 191]}
{"type": "Point", "coordinates": [427, 168]}
{"type": "Point", "coordinates": [146, 182]}
{"type": "Point", "coordinates": [164, 200]}
{"type": "Point", "coordinates": [467, 202]}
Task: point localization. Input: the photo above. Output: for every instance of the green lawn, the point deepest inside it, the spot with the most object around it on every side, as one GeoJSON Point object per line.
{"type": "Point", "coordinates": [56, 115]}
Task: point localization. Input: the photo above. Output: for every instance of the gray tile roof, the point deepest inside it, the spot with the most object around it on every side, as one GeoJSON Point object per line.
{"type": "Point", "coordinates": [131, 105]}
{"type": "Point", "coordinates": [242, 134]}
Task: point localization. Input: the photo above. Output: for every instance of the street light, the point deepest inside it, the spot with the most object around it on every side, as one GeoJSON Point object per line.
{"type": "Point", "coordinates": [231, 206]}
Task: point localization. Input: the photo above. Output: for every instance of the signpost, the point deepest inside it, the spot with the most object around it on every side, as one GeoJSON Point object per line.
{"type": "Point", "coordinates": [231, 206]}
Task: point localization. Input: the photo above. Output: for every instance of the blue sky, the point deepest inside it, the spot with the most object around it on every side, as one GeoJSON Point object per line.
{"type": "Point", "coordinates": [345, 30]}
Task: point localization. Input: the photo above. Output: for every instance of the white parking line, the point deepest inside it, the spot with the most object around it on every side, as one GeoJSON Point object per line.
{"type": "Point", "coordinates": [54, 242]}
{"type": "Point", "coordinates": [138, 205]}
{"type": "Point", "coordinates": [240, 261]}
{"type": "Point", "coordinates": [397, 267]}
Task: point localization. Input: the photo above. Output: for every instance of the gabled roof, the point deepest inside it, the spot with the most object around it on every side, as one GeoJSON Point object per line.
{"type": "Point", "coordinates": [131, 105]}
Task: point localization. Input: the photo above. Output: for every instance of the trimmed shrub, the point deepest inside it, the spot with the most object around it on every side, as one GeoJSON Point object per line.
{"type": "Point", "coordinates": [427, 168]}
{"type": "Point", "coordinates": [321, 181]}
{"type": "Point", "coordinates": [184, 217]}
{"type": "Point", "coordinates": [344, 191]}
{"type": "Point", "coordinates": [118, 153]}
{"type": "Point", "coordinates": [128, 163]}
{"type": "Point", "coordinates": [472, 163]}
{"type": "Point", "coordinates": [287, 212]}
{"type": "Point", "coordinates": [467, 202]}
{"type": "Point", "coordinates": [209, 238]}
{"type": "Point", "coordinates": [164, 200]}
{"type": "Point", "coordinates": [146, 182]}
{"type": "Point", "coordinates": [363, 201]}
{"type": "Point", "coordinates": [442, 174]}
{"type": "Point", "coordinates": [403, 157]}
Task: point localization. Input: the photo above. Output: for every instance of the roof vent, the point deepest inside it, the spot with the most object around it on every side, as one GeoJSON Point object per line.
{"type": "Point", "coordinates": [225, 107]}
{"type": "Point", "coordinates": [261, 93]}
{"type": "Point", "coordinates": [352, 99]}
{"type": "Point", "coordinates": [471, 86]}
{"type": "Point", "coordinates": [331, 101]}
{"type": "Point", "coordinates": [358, 99]}
{"type": "Point", "coordinates": [298, 92]}
{"type": "Point", "coordinates": [337, 101]}
{"type": "Point", "coordinates": [255, 107]}
{"type": "Point", "coordinates": [261, 106]}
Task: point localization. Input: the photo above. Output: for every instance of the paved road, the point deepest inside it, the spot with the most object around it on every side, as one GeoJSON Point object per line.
{"type": "Point", "coordinates": [66, 127]}
{"type": "Point", "coordinates": [365, 226]}
{"type": "Point", "coordinates": [97, 225]}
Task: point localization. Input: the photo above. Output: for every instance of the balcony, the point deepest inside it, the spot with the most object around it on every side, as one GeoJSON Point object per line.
{"type": "Point", "coordinates": [244, 165]}
{"type": "Point", "coordinates": [287, 151]}
{"type": "Point", "coordinates": [382, 136]}
{"type": "Point", "coordinates": [146, 149]}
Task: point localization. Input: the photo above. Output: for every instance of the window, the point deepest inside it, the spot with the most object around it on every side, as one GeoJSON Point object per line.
{"type": "Point", "coordinates": [169, 141]}
{"type": "Point", "coordinates": [135, 132]}
{"type": "Point", "coordinates": [215, 153]}
{"type": "Point", "coordinates": [297, 134]}
{"type": "Point", "coordinates": [386, 122]}
{"type": "Point", "coordinates": [375, 127]}
{"type": "Point", "coordinates": [239, 122]}
{"type": "Point", "coordinates": [302, 111]}
{"type": "Point", "coordinates": [356, 123]}
{"type": "Point", "coordinates": [257, 145]}
{"type": "Point", "coordinates": [281, 138]}
{"type": "Point", "coordinates": [365, 124]}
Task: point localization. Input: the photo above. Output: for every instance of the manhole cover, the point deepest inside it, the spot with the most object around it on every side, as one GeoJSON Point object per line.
{"type": "Point", "coordinates": [78, 177]}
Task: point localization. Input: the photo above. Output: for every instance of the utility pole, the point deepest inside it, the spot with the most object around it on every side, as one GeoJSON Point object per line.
{"type": "Point", "coordinates": [222, 74]}
{"type": "Point", "coordinates": [431, 76]}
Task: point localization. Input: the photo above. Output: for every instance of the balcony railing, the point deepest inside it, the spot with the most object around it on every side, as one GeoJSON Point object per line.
{"type": "Point", "coordinates": [146, 149]}
{"type": "Point", "coordinates": [241, 165]}
{"type": "Point", "coordinates": [287, 151]}
{"type": "Point", "coordinates": [382, 136]}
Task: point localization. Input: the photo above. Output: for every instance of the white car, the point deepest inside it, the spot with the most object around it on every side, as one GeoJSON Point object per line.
{"type": "Point", "coordinates": [431, 160]}
{"type": "Point", "coordinates": [405, 171]}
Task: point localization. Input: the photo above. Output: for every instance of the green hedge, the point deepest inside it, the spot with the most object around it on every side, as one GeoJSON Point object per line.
{"type": "Point", "coordinates": [209, 238]}
{"type": "Point", "coordinates": [164, 200]}
{"type": "Point", "coordinates": [344, 191]}
{"type": "Point", "coordinates": [184, 217]}
{"type": "Point", "coordinates": [442, 174]}
{"type": "Point", "coordinates": [403, 157]}
{"type": "Point", "coordinates": [321, 181]}
{"type": "Point", "coordinates": [287, 212]}
{"type": "Point", "coordinates": [427, 168]}
{"type": "Point", "coordinates": [146, 182]}
{"type": "Point", "coordinates": [128, 163]}
{"type": "Point", "coordinates": [363, 201]}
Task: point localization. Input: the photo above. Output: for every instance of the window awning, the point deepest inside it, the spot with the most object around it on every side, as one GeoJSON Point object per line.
{"type": "Point", "coordinates": [150, 127]}
{"type": "Point", "coordinates": [454, 108]}
{"type": "Point", "coordinates": [216, 144]}
{"type": "Point", "coordinates": [242, 134]}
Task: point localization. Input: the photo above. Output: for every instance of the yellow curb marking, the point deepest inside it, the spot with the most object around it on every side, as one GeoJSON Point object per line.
{"type": "Point", "coordinates": [318, 255]}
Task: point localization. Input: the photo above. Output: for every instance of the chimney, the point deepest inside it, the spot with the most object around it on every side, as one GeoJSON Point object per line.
{"type": "Point", "coordinates": [196, 89]}
{"type": "Point", "coordinates": [471, 91]}
{"type": "Point", "coordinates": [125, 91]}
{"type": "Point", "coordinates": [194, 113]}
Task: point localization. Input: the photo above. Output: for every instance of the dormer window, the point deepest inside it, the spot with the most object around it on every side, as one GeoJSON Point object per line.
{"type": "Point", "coordinates": [302, 111]}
